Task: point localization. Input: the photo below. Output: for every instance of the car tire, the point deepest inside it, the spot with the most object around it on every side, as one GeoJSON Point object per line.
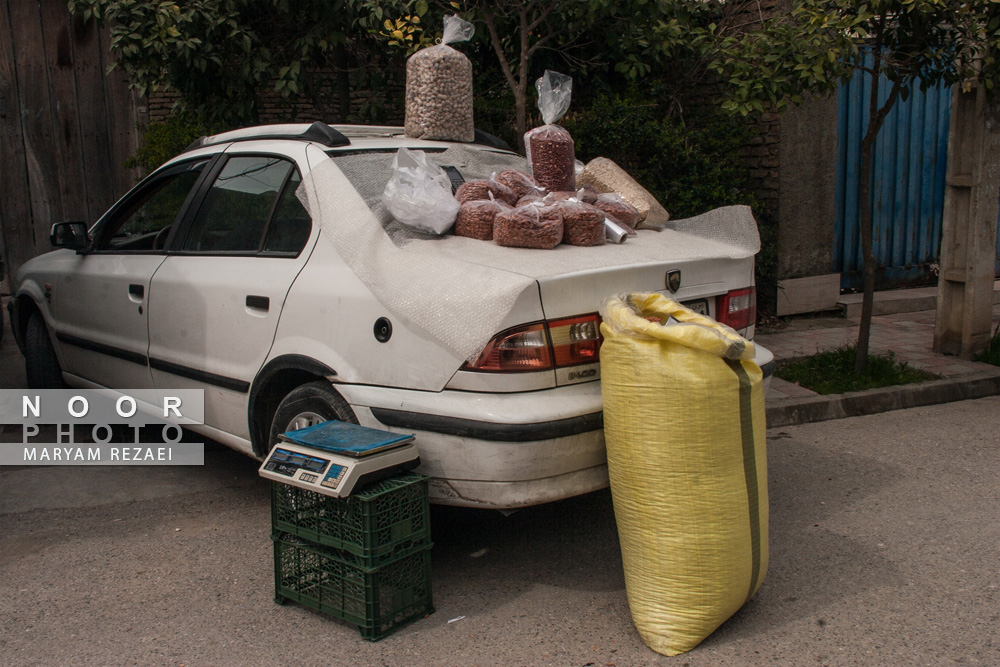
{"type": "Point", "coordinates": [40, 363]}
{"type": "Point", "coordinates": [307, 405]}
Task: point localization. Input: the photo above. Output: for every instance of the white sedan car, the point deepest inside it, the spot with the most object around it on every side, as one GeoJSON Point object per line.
{"type": "Point", "coordinates": [213, 274]}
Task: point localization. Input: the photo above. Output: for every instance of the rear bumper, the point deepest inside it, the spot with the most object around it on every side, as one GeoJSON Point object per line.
{"type": "Point", "coordinates": [501, 450]}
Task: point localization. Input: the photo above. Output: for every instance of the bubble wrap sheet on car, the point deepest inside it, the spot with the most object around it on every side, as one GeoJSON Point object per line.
{"type": "Point", "coordinates": [459, 290]}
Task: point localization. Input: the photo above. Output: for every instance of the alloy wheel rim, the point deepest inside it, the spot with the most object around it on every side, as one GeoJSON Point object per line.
{"type": "Point", "coordinates": [303, 420]}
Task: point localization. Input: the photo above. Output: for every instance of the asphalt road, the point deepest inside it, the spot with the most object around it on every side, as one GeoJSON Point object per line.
{"type": "Point", "coordinates": [884, 543]}
{"type": "Point", "coordinates": [884, 540]}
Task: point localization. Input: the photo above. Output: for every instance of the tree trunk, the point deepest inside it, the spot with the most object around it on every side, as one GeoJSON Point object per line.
{"type": "Point", "coordinates": [521, 113]}
{"type": "Point", "coordinates": [876, 118]}
{"type": "Point", "coordinates": [867, 250]}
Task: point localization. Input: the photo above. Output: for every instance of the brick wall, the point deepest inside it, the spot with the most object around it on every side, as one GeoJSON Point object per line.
{"type": "Point", "coordinates": [325, 106]}
{"type": "Point", "coordinates": [762, 155]}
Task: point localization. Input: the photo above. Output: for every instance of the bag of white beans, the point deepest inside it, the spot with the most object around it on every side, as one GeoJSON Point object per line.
{"type": "Point", "coordinates": [439, 88]}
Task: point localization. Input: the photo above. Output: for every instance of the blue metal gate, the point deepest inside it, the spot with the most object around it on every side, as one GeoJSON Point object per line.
{"type": "Point", "coordinates": [908, 184]}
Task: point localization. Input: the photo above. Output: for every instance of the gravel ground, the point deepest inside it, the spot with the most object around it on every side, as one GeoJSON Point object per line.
{"type": "Point", "coordinates": [884, 541]}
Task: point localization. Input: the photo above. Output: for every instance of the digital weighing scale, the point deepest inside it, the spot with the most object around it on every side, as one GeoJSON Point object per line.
{"type": "Point", "coordinates": [334, 457]}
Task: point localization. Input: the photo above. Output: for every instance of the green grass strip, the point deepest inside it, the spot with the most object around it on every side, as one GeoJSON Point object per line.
{"type": "Point", "coordinates": [832, 372]}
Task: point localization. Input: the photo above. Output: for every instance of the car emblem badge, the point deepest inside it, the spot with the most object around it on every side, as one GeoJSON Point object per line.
{"type": "Point", "coordinates": [673, 280]}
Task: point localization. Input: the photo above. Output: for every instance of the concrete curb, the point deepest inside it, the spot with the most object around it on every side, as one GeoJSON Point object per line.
{"type": "Point", "coordinates": [792, 411]}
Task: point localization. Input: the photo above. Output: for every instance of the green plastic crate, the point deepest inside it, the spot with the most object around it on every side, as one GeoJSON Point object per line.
{"type": "Point", "coordinates": [378, 523]}
{"type": "Point", "coordinates": [376, 599]}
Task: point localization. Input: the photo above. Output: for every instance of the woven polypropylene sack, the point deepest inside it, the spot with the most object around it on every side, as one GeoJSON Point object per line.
{"type": "Point", "coordinates": [684, 426]}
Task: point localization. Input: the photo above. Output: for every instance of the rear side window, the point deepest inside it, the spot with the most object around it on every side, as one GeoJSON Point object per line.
{"type": "Point", "coordinates": [291, 224]}
{"type": "Point", "coordinates": [251, 199]}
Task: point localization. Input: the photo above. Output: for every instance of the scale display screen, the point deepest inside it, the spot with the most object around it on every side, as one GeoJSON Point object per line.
{"type": "Point", "coordinates": [287, 463]}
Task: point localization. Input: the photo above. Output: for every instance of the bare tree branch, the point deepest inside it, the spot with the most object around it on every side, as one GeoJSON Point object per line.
{"type": "Point", "coordinates": [498, 48]}
{"type": "Point", "coordinates": [541, 17]}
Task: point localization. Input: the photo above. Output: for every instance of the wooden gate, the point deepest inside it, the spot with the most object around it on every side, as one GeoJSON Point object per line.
{"type": "Point", "coordinates": [66, 128]}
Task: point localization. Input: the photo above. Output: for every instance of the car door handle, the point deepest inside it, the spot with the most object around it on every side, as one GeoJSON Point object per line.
{"type": "Point", "coordinates": [258, 302]}
{"type": "Point", "coordinates": [136, 290]}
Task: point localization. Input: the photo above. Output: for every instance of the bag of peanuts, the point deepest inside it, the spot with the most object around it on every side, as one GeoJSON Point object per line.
{"type": "Point", "coordinates": [439, 88]}
{"type": "Point", "coordinates": [485, 188]}
{"type": "Point", "coordinates": [550, 148]}
{"type": "Point", "coordinates": [583, 224]}
{"type": "Point", "coordinates": [618, 208]}
{"type": "Point", "coordinates": [519, 182]}
{"type": "Point", "coordinates": [475, 218]}
{"type": "Point", "coordinates": [532, 226]}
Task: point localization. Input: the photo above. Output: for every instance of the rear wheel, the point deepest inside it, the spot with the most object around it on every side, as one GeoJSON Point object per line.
{"type": "Point", "coordinates": [40, 363]}
{"type": "Point", "coordinates": [307, 405]}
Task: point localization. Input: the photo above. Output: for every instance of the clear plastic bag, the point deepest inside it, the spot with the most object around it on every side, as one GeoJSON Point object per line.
{"type": "Point", "coordinates": [532, 226]}
{"type": "Point", "coordinates": [439, 88]}
{"type": "Point", "coordinates": [418, 193]}
{"type": "Point", "coordinates": [550, 148]}
{"type": "Point", "coordinates": [617, 208]}
{"type": "Point", "coordinates": [555, 91]}
{"type": "Point", "coordinates": [519, 182]}
{"type": "Point", "coordinates": [583, 224]}
{"type": "Point", "coordinates": [606, 176]}
{"type": "Point", "coordinates": [485, 188]}
{"type": "Point", "coordinates": [475, 218]}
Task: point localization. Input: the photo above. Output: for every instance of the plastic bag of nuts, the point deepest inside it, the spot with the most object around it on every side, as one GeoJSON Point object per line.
{"type": "Point", "coordinates": [439, 88]}
{"type": "Point", "coordinates": [551, 152]}
{"type": "Point", "coordinates": [583, 224]}
{"type": "Point", "coordinates": [531, 226]}
{"type": "Point", "coordinates": [618, 208]}
{"type": "Point", "coordinates": [475, 218]}
{"type": "Point", "coordinates": [519, 182]}
{"type": "Point", "coordinates": [550, 149]}
{"type": "Point", "coordinates": [483, 188]}
{"type": "Point", "coordinates": [606, 176]}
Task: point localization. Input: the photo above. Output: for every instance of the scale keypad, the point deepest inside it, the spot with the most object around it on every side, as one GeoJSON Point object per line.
{"type": "Point", "coordinates": [334, 477]}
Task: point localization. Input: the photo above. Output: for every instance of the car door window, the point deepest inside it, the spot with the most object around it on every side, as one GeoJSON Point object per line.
{"type": "Point", "coordinates": [144, 221]}
{"type": "Point", "coordinates": [234, 215]}
{"type": "Point", "coordinates": [290, 227]}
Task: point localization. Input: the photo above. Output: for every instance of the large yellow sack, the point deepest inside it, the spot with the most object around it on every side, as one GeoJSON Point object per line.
{"type": "Point", "coordinates": [684, 426]}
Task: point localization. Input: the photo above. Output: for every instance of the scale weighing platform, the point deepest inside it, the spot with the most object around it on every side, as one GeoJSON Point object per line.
{"type": "Point", "coordinates": [334, 457]}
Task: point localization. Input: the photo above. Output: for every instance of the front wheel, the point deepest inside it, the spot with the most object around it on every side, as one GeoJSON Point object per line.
{"type": "Point", "coordinates": [40, 363]}
{"type": "Point", "coordinates": [307, 405]}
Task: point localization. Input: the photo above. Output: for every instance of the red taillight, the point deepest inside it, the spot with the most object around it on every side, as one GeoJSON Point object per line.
{"type": "Point", "coordinates": [738, 308]}
{"type": "Point", "coordinates": [524, 348]}
{"type": "Point", "coordinates": [542, 346]}
{"type": "Point", "coordinates": [576, 340]}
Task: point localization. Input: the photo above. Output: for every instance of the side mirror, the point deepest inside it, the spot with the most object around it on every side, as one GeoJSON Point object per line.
{"type": "Point", "coordinates": [71, 235]}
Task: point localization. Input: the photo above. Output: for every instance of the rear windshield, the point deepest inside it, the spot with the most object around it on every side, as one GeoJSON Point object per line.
{"type": "Point", "coordinates": [369, 170]}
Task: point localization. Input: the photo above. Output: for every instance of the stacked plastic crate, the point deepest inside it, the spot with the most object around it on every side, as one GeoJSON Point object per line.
{"type": "Point", "coordinates": [364, 559]}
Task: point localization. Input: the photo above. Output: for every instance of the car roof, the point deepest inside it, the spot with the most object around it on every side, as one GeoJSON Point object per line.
{"type": "Point", "coordinates": [333, 136]}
